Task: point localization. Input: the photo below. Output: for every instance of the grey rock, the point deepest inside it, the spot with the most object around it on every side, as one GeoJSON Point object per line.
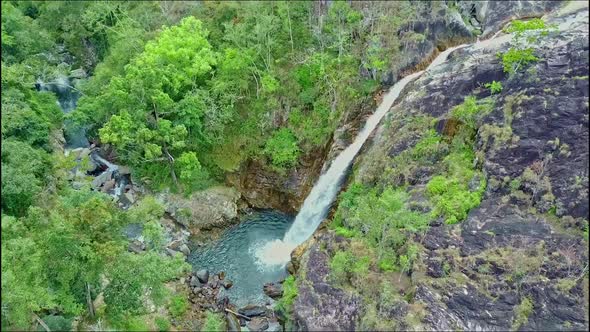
{"type": "Point", "coordinates": [252, 310]}
{"type": "Point", "coordinates": [203, 275]}
{"type": "Point", "coordinates": [213, 207]}
{"type": "Point", "coordinates": [78, 73]}
{"type": "Point", "coordinates": [233, 324]}
{"type": "Point", "coordinates": [194, 282]}
{"type": "Point", "coordinates": [258, 324]}
{"type": "Point", "coordinates": [184, 249]}
{"type": "Point", "coordinates": [273, 290]}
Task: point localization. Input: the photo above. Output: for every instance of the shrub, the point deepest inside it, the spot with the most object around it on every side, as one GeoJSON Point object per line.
{"type": "Point", "coordinates": [428, 145]}
{"type": "Point", "coordinates": [136, 324]}
{"type": "Point", "coordinates": [213, 322]}
{"type": "Point", "coordinates": [285, 303]}
{"type": "Point", "coordinates": [519, 27]}
{"type": "Point", "coordinates": [178, 305]}
{"type": "Point", "coordinates": [162, 324]}
{"type": "Point", "coordinates": [470, 109]}
{"type": "Point", "coordinates": [282, 148]}
{"type": "Point", "coordinates": [56, 323]}
{"type": "Point", "coordinates": [514, 59]}
{"type": "Point", "coordinates": [522, 313]}
{"type": "Point", "coordinates": [495, 87]}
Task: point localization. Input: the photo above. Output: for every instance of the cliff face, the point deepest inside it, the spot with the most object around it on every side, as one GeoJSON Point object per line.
{"type": "Point", "coordinates": [519, 260]}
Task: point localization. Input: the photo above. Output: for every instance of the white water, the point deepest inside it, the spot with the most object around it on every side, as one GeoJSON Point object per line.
{"type": "Point", "coordinates": [317, 204]}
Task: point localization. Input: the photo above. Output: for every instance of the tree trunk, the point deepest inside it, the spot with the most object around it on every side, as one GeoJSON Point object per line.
{"type": "Point", "coordinates": [40, 321]}
{"type": "Point", "coordinates": [171, 162]}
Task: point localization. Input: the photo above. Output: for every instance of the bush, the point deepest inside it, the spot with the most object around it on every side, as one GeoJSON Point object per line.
{"type": "Point", "coordinates": [56, 323]}
{"type": "Point", "coordinates": [495, 87]}
{"type": "Point", "coordinates": [515, 59]}
{"type": "Point", "coordinates": [427, 146]}
{"type": "Point", "coordinates": [450, 191]}
{"type": "Point", "coordinates": [178, 305]}
{"type": "Point", "coordinates": [290, 291]}
{"type": "Point", "coordinates": [213, 322]}
{"type": "Point", "coordinates": [470, 110]}
{"type": "Point", "coordinates": [136, 324]}
{"type": "Point", "coordinates": [162, 323]}
{"type": "Point", "coordinates": [522, 313]}
{"type": "Point", "coordinates": [519, 27]}
{"type": "Point", "coordinates": [282, 148]}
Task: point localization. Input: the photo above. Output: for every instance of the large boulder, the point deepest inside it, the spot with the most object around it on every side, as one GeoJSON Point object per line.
{"type": "Point", "coordinates": [212, 207]}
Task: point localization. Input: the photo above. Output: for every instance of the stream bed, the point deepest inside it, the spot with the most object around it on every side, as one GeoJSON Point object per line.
{"type": "Point", "coordinates": [235, 254]}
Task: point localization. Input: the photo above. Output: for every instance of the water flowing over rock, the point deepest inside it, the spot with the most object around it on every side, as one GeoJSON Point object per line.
{"type": "Point", "coordinates": [513, 229]}
{"type": "Point", "coordinates": [316, 205]}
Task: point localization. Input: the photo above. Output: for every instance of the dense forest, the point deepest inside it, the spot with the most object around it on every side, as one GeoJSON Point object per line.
{"type": "Point", "coordinates": [188, 94]}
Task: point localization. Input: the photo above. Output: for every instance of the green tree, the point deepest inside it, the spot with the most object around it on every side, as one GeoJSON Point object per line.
{"type": "Point", "coordinates": [150, 128]}
{"type": "Point", "coordinates": [282, 148]}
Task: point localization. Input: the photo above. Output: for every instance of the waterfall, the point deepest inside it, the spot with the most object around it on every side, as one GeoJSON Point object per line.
{"type": "Point", "coordinates": [317, 204]}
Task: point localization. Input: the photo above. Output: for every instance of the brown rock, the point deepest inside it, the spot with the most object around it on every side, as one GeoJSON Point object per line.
{"type": "Point", "coordinates": [258, 324]}
{"type": "Point", "coordinates": [273, 290]}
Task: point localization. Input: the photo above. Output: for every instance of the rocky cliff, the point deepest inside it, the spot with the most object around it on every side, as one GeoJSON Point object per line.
{"type": "Point", "coordinates": [519, 259]}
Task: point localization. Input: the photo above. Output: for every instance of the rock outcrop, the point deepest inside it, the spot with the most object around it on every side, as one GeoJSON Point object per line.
{"type": "Point", "coordinates": [213, 207]}
{"type": "Point", "coordinates": [518, 261]}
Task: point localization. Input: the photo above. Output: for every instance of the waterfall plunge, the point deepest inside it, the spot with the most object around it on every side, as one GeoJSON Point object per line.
{"type": "Point", "coordinates": [316, 205]}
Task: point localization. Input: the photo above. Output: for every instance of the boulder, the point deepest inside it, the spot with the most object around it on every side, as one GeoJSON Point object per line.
{"type": "Point", "coordinates": [108, 185]}
{"type": "Point", "coordinates": [78, 73]}
{"type": "Point", "coordinates": [130, 197]}
{"type": "Point", "coordinates": [273, 290]}
{"type": "Point", "coordinates": [203, 275]}
{"type": "Point", "coordinates": [194, 282]}
{"type": "Point", "coordinates": [274, 327]}
{"type": "Point", "coordinates": [184, 249]}
{"type": "Point", "coordinates": [233, 324]}
{"type": "Point", "coordinates": [252, 310]}
{"type": "Point", "coordinates": [258, 324]}
{"type": "Point", "coordinates": [227, 284]}
{"type": "Point", "coordinates": [102, 178]}
{"type": "Point", "coordinates": [212, 207]}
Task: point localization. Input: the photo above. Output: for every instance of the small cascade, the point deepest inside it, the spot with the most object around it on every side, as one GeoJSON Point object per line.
{"type": "Point", "coordinates": [317, 204]}
{"type": "Point", "coordinates": [108, 177]}
{"type": "Point", "coordinates": [67, 98]}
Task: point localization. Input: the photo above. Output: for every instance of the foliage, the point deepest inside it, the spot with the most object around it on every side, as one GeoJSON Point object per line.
{"type": "Point", "coordinates": [213, 322]}
{"type": "Point", "coordinates": [514, 59]}
{"type": "Point", "coordinates": [470, 110]}
{"type": "Point", "coordinates": [290, 291]}
{"type": "Point", "coordinates": [382, 220]}
{"type": "Point", "coordinates": [345, 264]}
{"type": "Point", "coordinates": [132, 275]}
{"type": "Point", "coordinates": [56, 323]}
{"type": "Point", "coordinates": [178, 305]}
{"type": "Point", "coordinates": [522, 313]}
{"type": "Point", "coordinates": [450, 192]}
{"type": "Point", "coordinates": [162, 323]}
{"type": "Point", "coordinates": [282, 148]}
{"type": "Point", "coordinates": [518, 27]}
{"type": "Point", "coordinates": [495, 87]}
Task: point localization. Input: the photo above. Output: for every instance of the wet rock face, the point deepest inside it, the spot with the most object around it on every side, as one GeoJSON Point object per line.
{"type": "Point", "coordinates": [265, 188]}
{"type": "Point", "coordinates": [518, 260]}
